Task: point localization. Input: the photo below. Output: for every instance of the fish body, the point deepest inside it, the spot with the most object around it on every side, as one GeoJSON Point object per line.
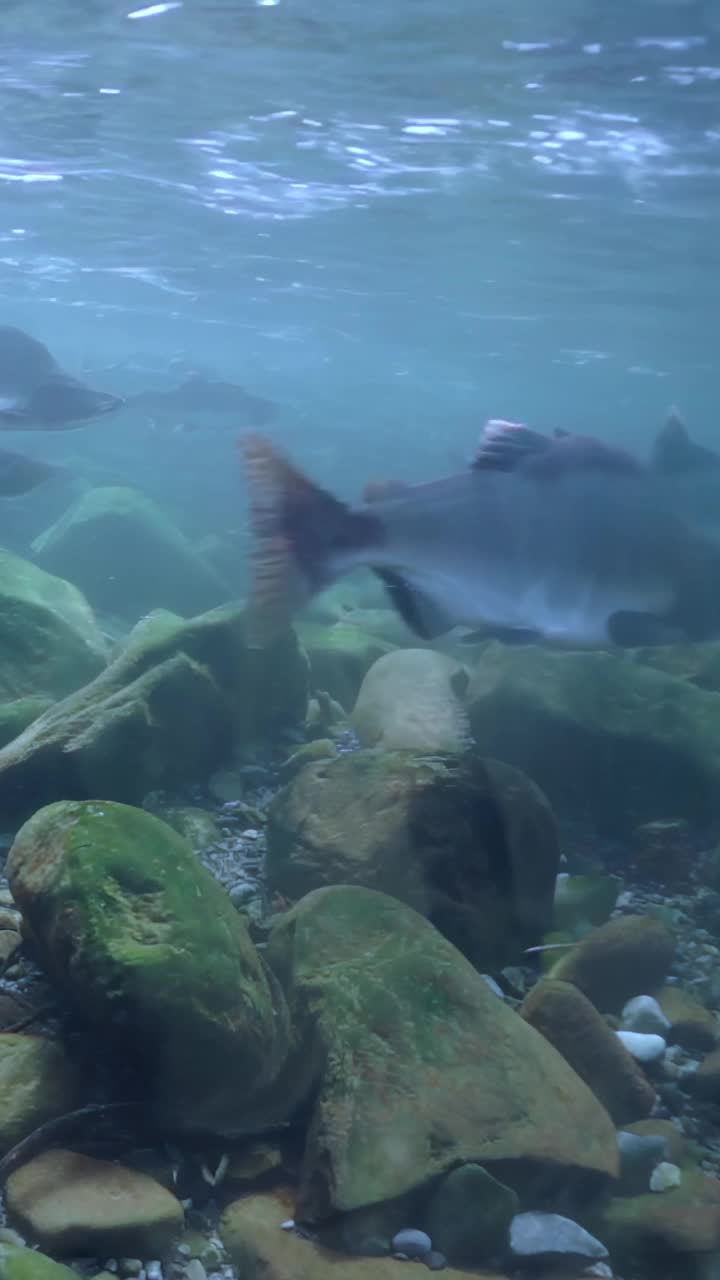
{"type": "Point", "coordinates": [37, 394]}
{"type": "Point", "coordinates": [577, 549]}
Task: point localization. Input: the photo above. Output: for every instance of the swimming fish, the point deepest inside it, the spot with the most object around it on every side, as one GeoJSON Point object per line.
{"type": "Point", "coordinates": [562, 538]}
{"type": "Point", "coordinates": [19, 474]}
{"type": "Point", "coordinates": [198, 394]}
{"type": "Point", "coordinates": [36, 394]}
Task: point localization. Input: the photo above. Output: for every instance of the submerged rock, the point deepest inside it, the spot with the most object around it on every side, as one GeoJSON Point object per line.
{"type": "Point", "coordinates": [37, 1083]}
{"type": "Point", "coordinates": [469, 1216]}
{"type": "Point", "coordinates": [73, 1204]}
{"type": "Point", "coordinates": [551, 1237]}
{"type": "Point", "coordinates": [690, 1023]}
{"type": "Point", "coordinates": [471, 844]}
{"type": "Point", "coordinates": [412, 700]}
{"type": "Point", "coordinates": [415, 1066]}
{"type": "Point", "coordinates": [643, 1013]}
{"type": "Point", "coordinates": [169, 710]}
{"type": "Point", "coordinates": [606, 738]}
{"type": "Point", "coordinates": [149, 947]}
{"type": "Point", "coordinates": [50, 643]}
{"type": "Point", "coordinates": [250, 1229]}
{"type": "Point", "coordinates": [16, 716]}
{"type": "Point", "coordinates": [18, 1263]}
{"type": "Point", "coordinates": [619, 960]}
{"type": "Point", "coordinates": [560, 1012]}
{"type": "Point", "coordinates": [128, 556]}
{"type": "Point", "coordinates": [669, 1233]}
{"type": "Point", "coordinates": [583, 901]}
{"type": "Point", "coordinates": [340, 655]}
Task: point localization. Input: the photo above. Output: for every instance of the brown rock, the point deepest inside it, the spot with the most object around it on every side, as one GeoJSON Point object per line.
{"type": "Point", "coordinates": [668, 1229]}
{"type": "Point", "coordinates": [626, 957]}
{"type": "Point", "coordinates": [692, 1025]}
{"type": "Point", "coordinates": [561, 1013]}
{"type": "Point", "coordinates": [250, 1230]}
{"type": "Point", "coordinates": [705, 1082]}
{"type": "Point", "coordinates": [68, 1203]}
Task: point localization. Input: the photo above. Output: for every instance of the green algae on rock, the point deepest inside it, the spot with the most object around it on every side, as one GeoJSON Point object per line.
{"type": "Point", "coordinates": [606, 738]}
{"type": "Point", "coordinates": [583, 901]}
{"type": "Point", "coordinates": [416, 1065]}
{"type": "Point", "coordinates": [73, 1204]}
{"type": "Point", "coordinates": [37, 1083]}
{"type": "Point", "coordinates": [50, 643]}
{"type": "Point", "coordinates": [174, 705]}
{"type": "Point", "coordinates": [128, 557]}
{"type": "Point", "coordinates": [149, 947]}
{"type": "Point", "coordinates": [469, 843]}
{"type": "Point", "coordinates": [18, 1263]}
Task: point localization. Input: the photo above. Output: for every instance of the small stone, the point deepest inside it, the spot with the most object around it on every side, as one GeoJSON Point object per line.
{"type": "Point", "coordinates": [643, 1014]}
{"type": "Point", "coordinates": [665, 1177]}
{"type": "Point", "coordinates": [642, 1047]}
{"type": "Point", "coordinates": [153, 1270]}
{"type": "Point", "coordinates": [288, 1224]}
{"type": "Point", "coordinates": [640, 1154]}
{"type": "Point", "coordinates": [129, 1266]}
{"type": "Point", "coordinates": [538, 1235]}
{"type": "Point", "coordinates": [411, 1242]}
{"type": "Point", "coordinates": [435, 1260]}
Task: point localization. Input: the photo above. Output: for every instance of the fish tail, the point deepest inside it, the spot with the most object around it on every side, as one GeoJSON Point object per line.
{"type": "Point", "coordinates": [303, 537]}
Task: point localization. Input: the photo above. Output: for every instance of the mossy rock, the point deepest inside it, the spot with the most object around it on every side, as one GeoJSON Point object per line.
{"type": "Point", "coordinates": [414, 1065]}
{"type": "Point", "coordinates": [128, 556]}
{"type": "Point", "coordinates": [50, 643]}
{"type": "Point", "coordinates": [171, 709]}
{"type": "Point", "coordinates": [583, 901]}
{"type": "Point", "coordinates": [608, 739]}
{"type": "Point", "coordinates": [470, 844]}
{"type": "Point", "coordinates": [629, 956]}
{"type": "Point", "coordinates": [16, 716]}
{"type": "Point", "coordinates": [671, 1235]}
{"type": "Point", "coordinates": [38, 1082]}
{"type": "Point", "coordinates": [150, 949]}
{"type": "Point", "coordinates": [340, 655]}
{"type": "Point", "coordinates": [17, 1263]}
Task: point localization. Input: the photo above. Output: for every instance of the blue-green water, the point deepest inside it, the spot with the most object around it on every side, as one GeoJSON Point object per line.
{"type": "Point", "coordinates": [393, 220]}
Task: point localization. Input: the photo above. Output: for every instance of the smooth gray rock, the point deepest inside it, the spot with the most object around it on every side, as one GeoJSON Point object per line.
{"type": "Point", "coordinates": [549, 1235]}
{"type": "Point", "coordinates": [644, 1014]}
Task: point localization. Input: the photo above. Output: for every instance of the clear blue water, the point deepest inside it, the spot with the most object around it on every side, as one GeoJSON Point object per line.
{"type": "Point", "coordinates": [393, 219]}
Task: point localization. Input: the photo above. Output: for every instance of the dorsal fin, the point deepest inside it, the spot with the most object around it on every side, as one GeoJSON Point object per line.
{"type": "Point", "coordinates": [507, 445]}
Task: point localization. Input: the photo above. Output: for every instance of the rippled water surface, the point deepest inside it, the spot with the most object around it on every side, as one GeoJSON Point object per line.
{"type": "Point", "coordinates": [395, 219]}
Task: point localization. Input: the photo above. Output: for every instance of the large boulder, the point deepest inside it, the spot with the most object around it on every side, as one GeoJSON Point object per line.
{"type": "Point", "coordinates": [470, 844]}
{"type": "Point", "coordinates": [607, 738]}
{"type": "Point", "coordinates": [50, 643]}
{"type": "Point", "coordinates": [626, 957]}
{"type": "Point", "coordinates": [415, 1066]}
{"type": "Point", "coordinates": [413, 699]}
{"type": "Point", "coordinates": [128, 556]}
{"type": "Point", "coordinates": [149, 947]}
{"type": "Point", "coordinates": [171, 709]}
{"type": "Point", "coordinates": [70, 1203]}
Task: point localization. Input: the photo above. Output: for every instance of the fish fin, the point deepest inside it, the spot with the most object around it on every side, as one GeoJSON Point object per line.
{"type": "Point", "coordinates": [672, 450]}
{"type": "Point", "coordinates": [636, 630]}
{"type": "Point", "coordinates": [298, 529]}
{"type": "Point", "coordinates": [507, 445]}
{"type": "Point", "coordinates": [417, 610]}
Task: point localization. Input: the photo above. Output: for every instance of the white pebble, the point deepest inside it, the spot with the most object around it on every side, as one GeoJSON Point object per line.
{"type": "Point", "coordinates": [411, 1243]}
{"type": "Point", "coordinates": [665, 1176]}
{"type": "Point", "coordinates": [288, 1224]}
{"type": "Point", "coordinates": [643, 1013]}
{"type": "Point", "coordinates": [643, 1047]}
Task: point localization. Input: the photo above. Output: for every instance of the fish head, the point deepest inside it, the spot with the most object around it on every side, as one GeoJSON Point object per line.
{"type": "Point", "coordinates": [63, 401]}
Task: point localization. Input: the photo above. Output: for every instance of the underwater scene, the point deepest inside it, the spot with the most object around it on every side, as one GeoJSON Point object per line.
{"type": "Point", "coordinates": [359, 639]}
